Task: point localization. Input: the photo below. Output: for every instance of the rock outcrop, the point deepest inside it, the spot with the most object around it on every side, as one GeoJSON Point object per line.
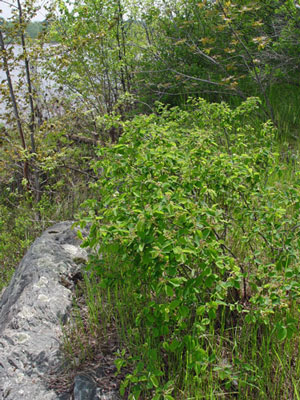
{"type": "Point", "coordinates": [32, 310]}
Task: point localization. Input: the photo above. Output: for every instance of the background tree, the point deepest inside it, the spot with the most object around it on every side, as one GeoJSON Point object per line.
{"type": "Point", "coordinates": [221, 50]}
{"type": "Point", "coordinates": [5, 66]}
{"type": "Point", "coordinates": [93, 59]}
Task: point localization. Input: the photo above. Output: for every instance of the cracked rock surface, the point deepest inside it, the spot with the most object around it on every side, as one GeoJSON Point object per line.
{"type": "Point", "coordinates": [32, 310]}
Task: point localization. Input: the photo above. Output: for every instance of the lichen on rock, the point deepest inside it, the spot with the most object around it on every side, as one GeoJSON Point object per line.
{"type": "Point", "coordinates": [32, 309]}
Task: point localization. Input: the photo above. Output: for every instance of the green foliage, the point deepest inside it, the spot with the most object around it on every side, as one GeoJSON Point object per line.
{"type": "Point", "coordinates": [64, 172]}
{"type": "Point", "coordinates": [194, 237]}
{"type": "Point", "coordinates": [18, 227]}
{"type": "Point", "coordinates": [22, 220]}
{"type": "Point", "coordinates": [222, 49]}
{"type": "Point", "coordinates": [12, 245]}
{"type": "Point", "coordinates": [195, 215]}
{"type": "Point", "coordinates": [34, 29]}
{"type": "Point", "coordinates": [91, 56]}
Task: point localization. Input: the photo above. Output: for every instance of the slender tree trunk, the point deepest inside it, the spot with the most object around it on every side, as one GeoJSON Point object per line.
{"type": "Point", "coordinates": [127, 74]}
{"type": "Point", "coordinates": [121, 55]}
{"type": "Point", "coordinates": [32, 125]}
{"type": "Point", "coordinates": [15, 106]}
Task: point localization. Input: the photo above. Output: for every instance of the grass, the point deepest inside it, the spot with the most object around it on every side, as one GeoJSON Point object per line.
{"type": "Point", "coordinates": [285, 101]}
{"type": "Point", "coordinates": [244, 363]}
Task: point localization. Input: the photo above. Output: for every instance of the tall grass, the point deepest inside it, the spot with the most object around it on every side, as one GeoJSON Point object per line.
{"type": "Point", "coordinates": [285, 100]}
{"type": "Point", "coordinates": [246, 361]}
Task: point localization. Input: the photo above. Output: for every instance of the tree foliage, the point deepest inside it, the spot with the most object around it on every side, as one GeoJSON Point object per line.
{"type": "Point", "coordinates": [93, 55]}
{"type": "Point", "coordinates": [221, 48]}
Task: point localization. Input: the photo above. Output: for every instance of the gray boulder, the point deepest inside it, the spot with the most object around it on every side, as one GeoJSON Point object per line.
{"type": "Point", "coordinates": [32, 310]}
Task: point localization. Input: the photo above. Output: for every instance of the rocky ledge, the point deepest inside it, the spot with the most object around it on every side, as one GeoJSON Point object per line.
{"type": "Point", "coordinates": [32, 310]}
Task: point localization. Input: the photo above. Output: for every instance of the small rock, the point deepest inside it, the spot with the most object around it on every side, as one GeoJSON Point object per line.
{"type": "Point", "coordinates": [65, 396]}
{"type": "Point", "coordinates": [85, 388]}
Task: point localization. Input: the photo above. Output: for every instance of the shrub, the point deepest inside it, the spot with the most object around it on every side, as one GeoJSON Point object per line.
{"type": "Point", "coordinates": [193, 234]}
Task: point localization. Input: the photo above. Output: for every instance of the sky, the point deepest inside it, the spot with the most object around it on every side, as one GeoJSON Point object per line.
{"type": "Point", "coordinates": [6, 10]}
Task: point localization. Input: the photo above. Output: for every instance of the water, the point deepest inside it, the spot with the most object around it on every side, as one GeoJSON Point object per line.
{"type": "Point", "coordinates": [44, 90]}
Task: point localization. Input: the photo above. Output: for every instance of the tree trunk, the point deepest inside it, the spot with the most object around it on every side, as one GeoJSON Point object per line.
{"type": "Point", "coordinates": [15, 106]}
{"type": "Point", "coordinates": [32, 125]}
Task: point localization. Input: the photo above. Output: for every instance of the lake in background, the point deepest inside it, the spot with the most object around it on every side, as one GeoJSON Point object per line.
{"type": "Point", "coordinates": [46, 88]}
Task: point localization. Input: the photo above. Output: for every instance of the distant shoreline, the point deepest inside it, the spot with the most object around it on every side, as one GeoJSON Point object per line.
{"type": "Point", "coordinates": [33, 29]}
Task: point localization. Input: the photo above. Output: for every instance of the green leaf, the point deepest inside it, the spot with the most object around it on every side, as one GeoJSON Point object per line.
{"type": "Point", "coordinates": [184, 311]}
{"type": "Point", "coordinates": [209, 281]}
{"type": "Point", "coordinates": [154, 381]}
{"type": "Point", "coordinates": [281, 332]}
{"type": "Point", "coordinates": [169, 291]}
{"type": "Point", "coordinates": [174, 304]}
{"type": "Point", "coordinates": [79, 234]}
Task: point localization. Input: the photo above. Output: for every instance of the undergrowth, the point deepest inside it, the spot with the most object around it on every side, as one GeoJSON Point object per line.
{"type": "Point", "coordinates": [22, 220]}
{"type": "Point", "coordinates": [194, 282]}
{"type": "Point", "coordinates": [195, 234]}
